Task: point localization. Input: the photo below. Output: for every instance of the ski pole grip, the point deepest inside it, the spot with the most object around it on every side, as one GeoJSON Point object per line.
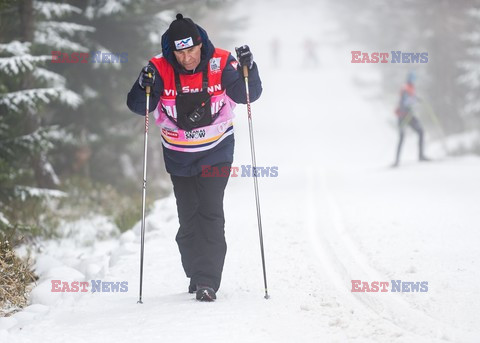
{"type": "Point", "coordinates": [147, 88]}
{"type": "Point", "coordinates": [245, 68]}
{"type": "Point", "coordinates": [245, 71]}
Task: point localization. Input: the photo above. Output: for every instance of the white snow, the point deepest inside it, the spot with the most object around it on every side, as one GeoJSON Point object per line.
{"type": "Point", "coordinates": [465, 141]}
{"type": "Point", "coordinates": [52, 38]}
{"type": "Point", "coordinates": [109, 7]}
{"type": "Point", "coordinates": [49, 76]}
{"type": "Point", "coordinates": [89, 93]}
{"type": "Point", "coordinates": [26, 191]}
{"type": "Point", "coordinates": [30, 97]}
{"type": "Point", "coordinates": [3, 219]}
{"type": "Point", "coordinates": [16, 64]}
{"type": "Point", "coordinates": [51, 9]}
{"type": "Point", "coordinates": [471, 76]}
{"type": "Point", "coordinates": [67, 28]}
{"type": "Point", "coordinates": [16, 48]}
{"type": "Point", "coordinates": [335, 213]}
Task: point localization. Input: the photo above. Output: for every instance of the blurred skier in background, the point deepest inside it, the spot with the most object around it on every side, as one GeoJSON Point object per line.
{"type": "Point", "coordinates": [310, 57]}
{"type": "Point", "coordinates": [275, 49]}
{"type": "Point", "coordinates": [405, 114]}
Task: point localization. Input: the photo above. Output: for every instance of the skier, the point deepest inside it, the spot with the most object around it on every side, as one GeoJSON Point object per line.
{"type": "Point", "coordinates": [195, 87]}
{"type": "Point", "coordinates": [310, 53]}
{"type": "Point", "coordinates": [275, 51]}
{"type": "Point", "coordinates": [404, 112]}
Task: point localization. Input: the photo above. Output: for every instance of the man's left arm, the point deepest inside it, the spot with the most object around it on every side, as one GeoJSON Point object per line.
{"type": "Point", "coordinates": [234, 82]}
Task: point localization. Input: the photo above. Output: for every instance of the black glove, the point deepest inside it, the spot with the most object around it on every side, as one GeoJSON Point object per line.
{"type": "Point", "coordinates": [145, 79]}
{"type": "Point", "coordinates": [244, 56]}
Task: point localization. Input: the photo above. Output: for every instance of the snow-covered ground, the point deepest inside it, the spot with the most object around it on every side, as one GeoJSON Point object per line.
{"type": "Point", "coordinates": [335, 213]}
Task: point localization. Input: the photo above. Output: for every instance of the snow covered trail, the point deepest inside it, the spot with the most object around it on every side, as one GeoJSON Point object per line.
{"type": "Point", "coordinates": [334, 213]}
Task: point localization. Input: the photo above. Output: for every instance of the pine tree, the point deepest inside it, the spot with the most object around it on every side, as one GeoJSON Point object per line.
{"type": "Point", "coordinates": [471, 70]}
{"type": "Point", "coordinates": [61, 120]}
{"type": "Point", "coordinates": [27, 91]}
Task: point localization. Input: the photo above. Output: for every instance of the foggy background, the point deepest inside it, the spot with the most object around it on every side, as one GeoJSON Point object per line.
{"type": "Point", "coordinates": [65, 127]}
{"type": "Point", "coordinates": [71, 167]}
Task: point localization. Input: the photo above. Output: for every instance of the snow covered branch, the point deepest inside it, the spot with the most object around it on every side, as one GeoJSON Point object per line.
{"type": "Point", "coordinates": [49, 76]}
{"type": "Point", "coordinates": [52, 38]}
{"type": "Point", "coordinates": [3, 219]}
{"type": "Point", "coordinates": [17, 64]}
{"type": "Point", "coordinates": [29, 97]}
{"type": "Point", "coordinates": [16, 48]}
{"type": "Point", "coordinates": [51, 9]}
{"type": "Point", "coordinates": [64, 27]}
{"type": "Point", "coordinates": [23, 192]}
{"type": "Point", "coordinates": [109, 7]}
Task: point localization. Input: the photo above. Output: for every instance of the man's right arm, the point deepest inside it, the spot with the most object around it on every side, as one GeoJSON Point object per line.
{"type": "Point", "coordinates": [137, 100]}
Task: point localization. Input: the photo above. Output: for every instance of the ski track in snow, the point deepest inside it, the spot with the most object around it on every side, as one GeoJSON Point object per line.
{"type": "Point", "coordinates": [345, 262]}
{"type": "Point", "coordinates": [334, 213]}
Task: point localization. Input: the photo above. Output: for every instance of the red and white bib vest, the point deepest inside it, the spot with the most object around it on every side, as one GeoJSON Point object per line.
{"type": "Point", "coordinates": [202, 138]}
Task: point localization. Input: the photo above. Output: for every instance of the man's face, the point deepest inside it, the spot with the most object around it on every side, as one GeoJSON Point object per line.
{"type": "Point", "coordinates": [189, 58]}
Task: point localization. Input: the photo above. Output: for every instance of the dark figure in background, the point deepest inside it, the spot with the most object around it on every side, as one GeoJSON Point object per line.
{"type": "Point", "coordinates": [404, 112]}
{"type": "Point", "coordinates": [275, 49]}
{"type": "Point", "coordinates": [310, 53]}
{"type": "Point", "coordinates": [195, 87]}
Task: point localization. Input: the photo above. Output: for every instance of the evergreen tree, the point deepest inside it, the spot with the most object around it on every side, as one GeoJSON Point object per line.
{"type": "Point", "coordinates": [27, 91]}
{"type": "Point", "coordinates": [64, 120]}
{"type": "Point", "coordinates": [471, 70]}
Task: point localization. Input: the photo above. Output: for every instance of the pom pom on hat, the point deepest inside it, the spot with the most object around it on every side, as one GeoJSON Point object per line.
{"type": "Point", "coordinates": [183, 33]}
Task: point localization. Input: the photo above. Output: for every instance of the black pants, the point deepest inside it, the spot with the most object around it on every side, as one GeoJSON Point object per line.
{"type": "Point", "coordinates": [201, 236]}
{"type": "Point", "coordinates": [414, 123]}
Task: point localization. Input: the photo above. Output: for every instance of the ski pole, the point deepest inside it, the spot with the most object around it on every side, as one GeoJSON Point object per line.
{"type": "Point", "coordinates": [434, 119]}
{"type": "Point", "coordinates": [406, 120]}
{"type": "Point", "coordinates": [255, 182]}
{"type": "Point", "coordinates": [144, 190]}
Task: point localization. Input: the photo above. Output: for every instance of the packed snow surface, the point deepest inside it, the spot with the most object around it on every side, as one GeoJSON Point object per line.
{"type": "Point", "coordinates": [336, 212]}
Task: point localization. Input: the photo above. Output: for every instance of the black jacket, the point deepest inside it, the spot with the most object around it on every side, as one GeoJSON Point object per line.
{"type": "Point", "coordinates": [188, 163]}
